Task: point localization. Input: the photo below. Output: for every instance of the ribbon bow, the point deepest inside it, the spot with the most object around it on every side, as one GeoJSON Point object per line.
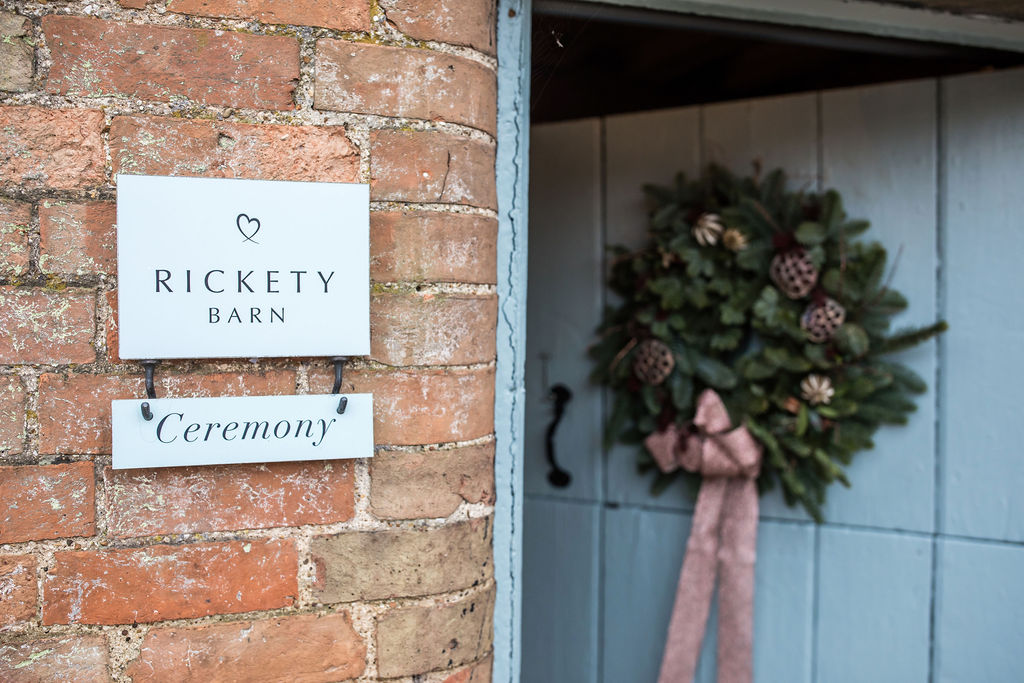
{"type": "Point", "coordinates": [723, 540]}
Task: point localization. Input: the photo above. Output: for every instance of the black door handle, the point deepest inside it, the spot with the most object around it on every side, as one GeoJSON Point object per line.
{"type": "Point", "coordinates": [558, 477]}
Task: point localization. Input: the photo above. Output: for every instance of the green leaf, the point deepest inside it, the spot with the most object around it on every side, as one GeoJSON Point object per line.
{"type": "Point", "coordinates": [726, 341]}
{"type": "Point", "coordinates": [810, 234]}
{"type": "Point", "coordinates": [852, 340]}
{"type": "Point", "coordinates": [802, 418]}
{"type": "Point", "coordinates": [651, 402]}
{"type": "Point", "coordinates": [682, 391]}
{"type": "Point", "coordinates": [714, 373]}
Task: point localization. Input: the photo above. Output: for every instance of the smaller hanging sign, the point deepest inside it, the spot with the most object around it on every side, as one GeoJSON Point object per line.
{"type": "Point", "coordinates": [229, 430]}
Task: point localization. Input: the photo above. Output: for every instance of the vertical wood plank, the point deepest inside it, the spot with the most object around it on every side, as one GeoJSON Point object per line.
{"type": "Point", "coordinates": [642, 558]}
{"type": "Point", "coordinates": [879, 152]}
{"type": "Point", "coordinates": [978, 621]}
{"type": "Point", "coordinates": [645, 148]}
{"type": "Point", "coordinates": [560, 592]}
{"type": "Point", "coordinates": [983, 471]}
{"type": "Point", "coordinates": [873, 606]}
{"type": "Point", "coordinates": [778, 132]}
{"type": "Point", "coordinates": [564, 303]}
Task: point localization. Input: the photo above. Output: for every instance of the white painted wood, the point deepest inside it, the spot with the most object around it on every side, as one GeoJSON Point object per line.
{"type": "Point", "coordinates": [879, 150]}
{"type": "Point", "coordinates": [229, 268]}
{"type": "Point", "coordinates": [855, 17]}
{"type": "Point", "coordinates": [565, 266]}
{"type": "Point", "coordinates": [983, 471]}
{"type": "Point", "coordinates": [237, 429]}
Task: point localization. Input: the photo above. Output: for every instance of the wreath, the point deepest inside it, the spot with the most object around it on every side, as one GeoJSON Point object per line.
{"type": "Point", "coordinates": [764, 296]}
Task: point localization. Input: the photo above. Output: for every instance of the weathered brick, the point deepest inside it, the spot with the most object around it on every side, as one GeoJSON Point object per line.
{"type": "Point", "coordinates": [432, 246]}
{"type": "Point", "coordinates": [94, 57]}
{"type": "Point", "coordinates": [158, 146]}
{"type": "Point", "coordinates": [15, 218]}
{"type": "Point", "coordinates": [476, 673]}
{"type": "Point", "coordinates": [459, 22]}
{"type": "Point", "coordinates": [432, 329]}
{"type": "Point", "coordinates": [182, 500]}
{"type": "Point", "coordinates": [430, 484]}
{"type": "Point", "coordinates": [58, 148]}
{"type": "Point", "coordinates": [416, 640]}
{"type": "Point", "coordinates": [341, 15]}
{"type": "Point", "coordinates": [163, 582]}
{"type": "Point", "coordinates": [133, 4]}
{"type": "Point", "coordinates": [74, 411]}
{"type": "Point", "coordinates": [423, 406]}
{"type": "Point", "coordinates": [44, 326]}
{"type": "Point", "coordinates": [404, 82]}
{"type": "Point", "coordinates": [406, 562]}
{"type": "Point", "coordinates": [12, 415]}
{"type": "Point", "coordinates": [47, 501]}
{"type": "Point", "coordinates": [76, 659]}
{"type": "Point", "coordinates": [433, 167]}
{"type": "Point", "coordinates": [306, 648]}
{"type": "Point", "coordinates": [77, 239]}
{"type": "Point", "coordinates": [17, 589]}
{"type": "Point", "coordinates": [111, 331]}
{"type": "Point", "coordinates": [15, 53]}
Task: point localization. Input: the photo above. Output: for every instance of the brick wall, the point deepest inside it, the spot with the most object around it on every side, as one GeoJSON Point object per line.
{"type": "Point", "coordinates": [363, 570]}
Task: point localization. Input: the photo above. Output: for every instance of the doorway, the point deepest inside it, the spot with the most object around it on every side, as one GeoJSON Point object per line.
{"type": "Point", "coordinates": [885, 590]}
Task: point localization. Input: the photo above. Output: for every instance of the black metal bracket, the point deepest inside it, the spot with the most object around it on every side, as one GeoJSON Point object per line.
{"type": "Point", "coordinates": [339, 362]}
{"type": "Point", "coordinates": [149, 366]}
{"type": "Point", "coordinates": [557, 477]}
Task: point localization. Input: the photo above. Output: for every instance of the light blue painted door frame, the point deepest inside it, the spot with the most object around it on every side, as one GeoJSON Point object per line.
{"type": "Point", "coordinates": [512, 166]}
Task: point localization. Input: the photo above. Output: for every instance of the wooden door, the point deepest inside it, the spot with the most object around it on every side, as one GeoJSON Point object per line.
{"type": "Point", "coordinates": [915, 575]}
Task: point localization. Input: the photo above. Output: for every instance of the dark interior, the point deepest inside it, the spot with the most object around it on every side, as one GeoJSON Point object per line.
{"type": "Point", "coordinates": [593, 60]}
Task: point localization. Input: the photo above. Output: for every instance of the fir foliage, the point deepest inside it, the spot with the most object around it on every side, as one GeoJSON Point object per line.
{"type": "Point", "coordinates": [731, 329]}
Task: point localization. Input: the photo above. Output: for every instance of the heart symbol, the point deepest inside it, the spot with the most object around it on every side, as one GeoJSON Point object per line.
{"type": "Point", "coordinates": [248, 222]}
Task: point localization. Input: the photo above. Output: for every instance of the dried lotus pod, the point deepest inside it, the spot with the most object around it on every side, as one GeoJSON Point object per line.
{"type": "Point", "coordinates": [653, 361]}
{"type": "Point", "coordinates": [794, 273]}
{"type": "Point", "coordinates": [820, 321]}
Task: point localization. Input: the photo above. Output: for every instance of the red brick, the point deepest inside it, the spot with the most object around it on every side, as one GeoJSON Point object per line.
{"type": "Point", "coordinates": [433, 246]}
{"type": "Point", "coordinates": [74, 411]}
{"type": "Point", "coordinates": [432, 329]}
{"type": "Point", "coordinates": [406, 562]}
{"type": "Point", "coordinates": [77, 239]}
{"type": "Point", "coordinates": [15, 219]}
{"type": "Point", "coordinates": [430, 484]}
{"type": "Point", "coordinates": [44, 326]}
{"type": "Point", "coordinates": [306, 648]}
{"type": "Point", "coordinates": [12, 415]}
{"type": "Point", "coordinates": [47, 501]}
{"type": "Point", "coordinates": [404, 82]}
{"type": "Point", "coordinates": [58, 148]}
{"type": "Point", "coordinates": [424, 406]}
{"type": "Point", "coordinates": [133, 4]}
{"type": "Point", "coordinates": [415, 640]}
{"type": "Point", "coordinates": [76, 659]}
{"type": "Point", "coordinates": [112, 335]}
{"type": "Point", "coordinates": [341, 15]}
{"type": "Point", "coordinates": [17, 589]}
{"type": "Point", "coordinates": [459, 22]}
{"type": "Point", "coordinates": [169, 582]}
{"type": "Point", "coordinates": [94, 57]}
{"type": "Point", "coordinates": [158, 146]}
{"type": "Point", "coordinates": [477, 673]}
{"type": "Point", "coordinates": [431, 166]}
{"type": "Point", "coordinates": [189, 499]}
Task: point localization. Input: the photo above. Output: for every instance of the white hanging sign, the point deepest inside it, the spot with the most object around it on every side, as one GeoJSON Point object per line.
{"type": "Point", "coordinates": [229, 430]}
{"type": "Point", "coordinates": [225, 268]}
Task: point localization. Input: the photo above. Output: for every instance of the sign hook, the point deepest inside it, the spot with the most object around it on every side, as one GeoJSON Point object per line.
{"type": "Point", "coordinates": [339, 361]}
{"type": "Point", "coordinates": [149, 366]}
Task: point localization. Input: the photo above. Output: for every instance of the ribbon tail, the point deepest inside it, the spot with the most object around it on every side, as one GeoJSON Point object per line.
{"type": "Point", "coordinates": [696, 585]}
{"type": "Point", "coordinates": [736, 583]}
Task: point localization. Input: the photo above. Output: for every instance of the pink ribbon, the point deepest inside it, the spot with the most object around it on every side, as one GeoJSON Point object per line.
{"type": "Point", "coordinates": [723, 540]}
